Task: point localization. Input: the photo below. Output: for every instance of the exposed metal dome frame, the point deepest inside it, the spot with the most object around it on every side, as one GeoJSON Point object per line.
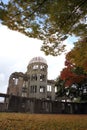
{"type": "Point", "coordinates": [38, 59]}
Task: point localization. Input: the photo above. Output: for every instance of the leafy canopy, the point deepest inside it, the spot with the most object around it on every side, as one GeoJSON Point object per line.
{"type": "Point", "coordinates": [72, 83]}
{"type": "Point", "coordinates": [78, 55]}
{"type": "Point", "coordinates": [52, 21]}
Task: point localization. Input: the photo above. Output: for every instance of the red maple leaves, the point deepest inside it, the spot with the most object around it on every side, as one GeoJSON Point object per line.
{"type": "Point", "coordinates": [69, 76]}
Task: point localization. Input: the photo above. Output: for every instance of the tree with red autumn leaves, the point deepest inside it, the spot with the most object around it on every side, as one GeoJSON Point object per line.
{"type": "Point", "coordinates": [72, 83]}
{"type": "Point", "coordinates": [75, 70]}
{"type": "Point", "coordinates": [73, 78]}
{"type": "Point", "coordinates": [72, 74]}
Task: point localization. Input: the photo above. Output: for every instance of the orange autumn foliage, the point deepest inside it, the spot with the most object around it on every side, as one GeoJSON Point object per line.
{"type": "Point", "coordinates": [78, 55]}
{"type": "Point", "coordinates": [69, 76]}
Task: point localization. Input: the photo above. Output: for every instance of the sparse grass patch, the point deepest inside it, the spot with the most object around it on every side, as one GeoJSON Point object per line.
{"type": "Point", "coordinates": [20, 121]}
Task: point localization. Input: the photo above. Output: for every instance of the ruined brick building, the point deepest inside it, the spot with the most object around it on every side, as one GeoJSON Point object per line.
{"type": "Point", "coordinates": [32, 92]}
{"type": "Point", "coordinates": [33, 83]}
{"type": "Point", "coordinates": [33, 87]}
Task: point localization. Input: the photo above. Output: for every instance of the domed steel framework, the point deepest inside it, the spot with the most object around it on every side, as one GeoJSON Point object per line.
{"type": "Point", "coordinates": [38, 59]}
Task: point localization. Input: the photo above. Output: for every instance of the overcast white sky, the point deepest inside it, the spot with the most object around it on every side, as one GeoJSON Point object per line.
{"type": "Point", "coordinates": [16, 50]}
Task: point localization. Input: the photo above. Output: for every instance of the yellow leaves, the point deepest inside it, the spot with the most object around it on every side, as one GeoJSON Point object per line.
{"type": "Point", "coordinates": [58, 16]}
{"type": "Point", "coordinates": [78, 54]}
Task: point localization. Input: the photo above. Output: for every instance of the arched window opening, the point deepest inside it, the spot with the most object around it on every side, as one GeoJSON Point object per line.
{"type": "Point", "coordinates": [33, 89]}
{"type": "Point", "coordinates": [15, 81]}
{"type": "Point", "coordinates": [34, 77]}
{"type": "Point", "coordinates": [49, 88]}
{"type": "Point", "coordinates": [35, 67]}
{"type": "Point", "coordinates": [42, 77]}
{"type": "Point", "coordinates": [42, 67]}
{"type": "Point", "coordinates": [42, 89]}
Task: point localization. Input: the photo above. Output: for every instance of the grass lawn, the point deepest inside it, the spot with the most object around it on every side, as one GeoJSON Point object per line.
{"type": "Point", "coordinates": [20, 121]}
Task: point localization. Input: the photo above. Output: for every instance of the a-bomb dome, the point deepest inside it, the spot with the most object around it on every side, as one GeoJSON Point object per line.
{"type": "Point", "coordinates": [38, 59]}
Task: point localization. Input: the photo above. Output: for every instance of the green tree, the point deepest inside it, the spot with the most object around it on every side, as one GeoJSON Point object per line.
{"type": "Point", "coordinates": [52, 21]}
{"type": "Point", "coordinates": [60, 87]}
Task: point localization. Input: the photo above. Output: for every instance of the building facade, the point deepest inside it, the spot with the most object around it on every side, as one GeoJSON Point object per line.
{"type": "Point", "coordinates": [33, 83]}
{"type": "Point", "coordinates": [32, 92]}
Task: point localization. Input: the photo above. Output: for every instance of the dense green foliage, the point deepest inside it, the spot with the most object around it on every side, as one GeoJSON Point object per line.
{"type": "Point", "coordinates": [52, 21]}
